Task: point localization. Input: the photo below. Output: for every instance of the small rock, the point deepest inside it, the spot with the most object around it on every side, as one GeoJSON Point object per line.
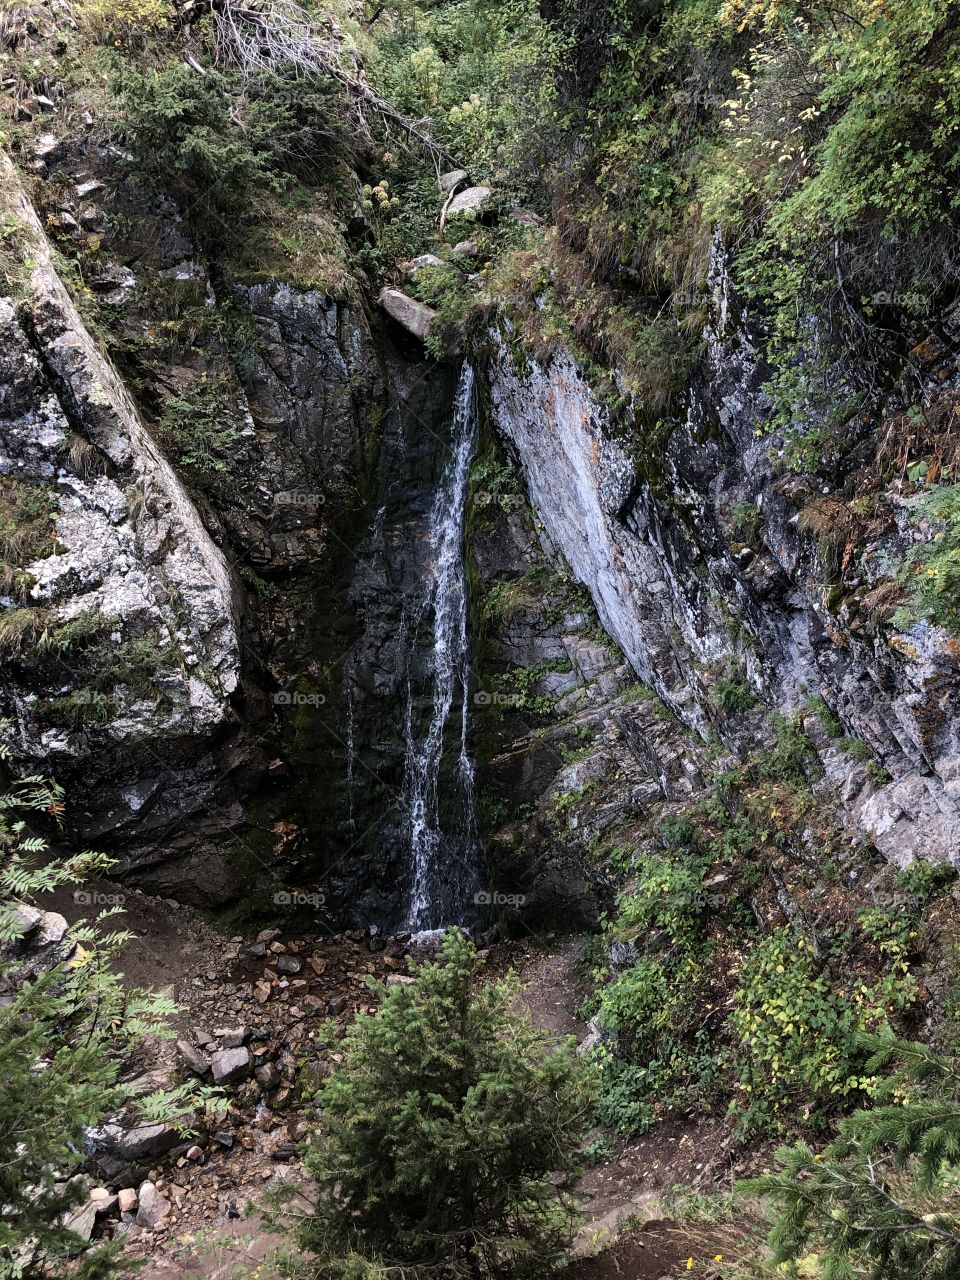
{"type": "Point", "coordinates": [128, 1200]}
{"type": "Point", "coordinates": [52, 927]}
{"type": "Point", "coordinates": [88, 188]}
{"type": "Point", "coordinates": [267, 1076]}
{"type": "Point", "coordinates": [465, 249]}
{"type": "Point", "coordinates": [289, 964]}
{"type": "Point", "coordinates": [153, 1207]}
{"type": "Point", "coordinates": [469, 201]}
{"type": "Point", "coordinates": [424, 260]}
{"type": "Point", "coordinates": [224, 1139]}
{"type": "Point", "coordinates": [195, 1154]}
{"type": "Point", "coordinates": [140, 1142]}
{"type": "Point", "coordinates": [25, 919]}
{"type": "Point", "coordinates": [230, 1065]}
{"type": "Point", "coordinates": [318, 966]}
{"type": "Point", "coordinates": [196, 1061]}
{"type": "Point", "coordinates": [82, 1221]}
{"type": "Point", "coordinates": [452, 179]}
{"type": "Point", "coordinates": [45, 145]}
{"type": "Point", "coordinates": [280, 1099]}
{"type": "Point", "coordinates": [336, 1005]}
{"type": "Point", "coordinates": [415, 317]}
{"type": "Point", "coordinates": [231, 1037]}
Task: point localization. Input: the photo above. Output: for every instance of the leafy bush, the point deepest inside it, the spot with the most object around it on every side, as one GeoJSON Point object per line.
{"type": "Point", "coordinates": [65, 1029]}
{"type": "Point", "coordinates": [224, 148]}
{"type": "Point", "coordinates": [933, 569]}
{"type": "Point", "coordinates": [733, 693]}
{"type": "Point", "coordinates": [662, 1054]}
{"type": "Point", "coordinates": [451, 1134]}
{"type": "Point", "coordinates": [196, 428]}
{"type": "Point", "coordinates": [799, 1034]}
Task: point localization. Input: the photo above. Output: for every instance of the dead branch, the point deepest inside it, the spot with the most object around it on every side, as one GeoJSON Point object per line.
{"type": "Point", "coordinates": [281, 36]}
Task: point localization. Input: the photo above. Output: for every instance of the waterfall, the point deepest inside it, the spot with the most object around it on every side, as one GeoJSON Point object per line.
{"type": "Point", "coordinates": [439, 802]}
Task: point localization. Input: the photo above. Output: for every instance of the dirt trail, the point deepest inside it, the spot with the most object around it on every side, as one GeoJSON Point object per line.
{"type": "Point", "coordinates": [214, 1231]}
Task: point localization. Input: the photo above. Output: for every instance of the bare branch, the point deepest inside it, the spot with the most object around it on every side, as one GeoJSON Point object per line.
{"type": "Point", "coordinates": [281, 36]}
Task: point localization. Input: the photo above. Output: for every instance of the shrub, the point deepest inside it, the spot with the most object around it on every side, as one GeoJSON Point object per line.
{"type": "Point", "coordinates": [223, 148]}
{"type": "Point", "coordinates": [933, 569]}
{"type": "Point", "coordinates": [65, 1030]}
{"type": "Point", "coordinates": [882, 1199]}
{"type": "Point", "coordinates": [798, 1032]}
{"type": "Point", "coordinates": [733, 693]}
{"type": "Point", "coordinates": [196, 428]}
{"type": "Point", "coordinates": [450, 1135]}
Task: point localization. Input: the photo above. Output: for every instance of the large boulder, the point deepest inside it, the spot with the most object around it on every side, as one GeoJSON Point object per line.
{"type": "Point", "coordinates": [416, 317]}
{"type": "Point", "coordinates": [470, 201]}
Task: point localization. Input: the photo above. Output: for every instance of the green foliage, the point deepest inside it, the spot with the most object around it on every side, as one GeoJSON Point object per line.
{"type": "Point", "coordinates": [446, 290]}
{"type": "Point", "coordinates": [799, 1032]}
{"type": "Point", "coordinates": [484, 72]}
{"type": "Point", "coordinates": [926, 880]}
{"type": "Point", "coordinates": [883, 1199]}
{"type": "Point", "coordinates": [746, 521]}
{"type": "Point", "coordinates": [733, 693]}
{"type": "Point", "coordinates": [65, 1027]}
{"type": "Point", "coordinates": [450, 1137]}
{"type": "Point", "coordinates": [933, 569]}
{"type": "Point", "coordinates": [26, 527]}
{"type": "Point", "coordinates": [197, 429]}
{"type": "Point", "coordinates": [662, 1051]}
{"type": "Point", "coordinates": [224, 147]}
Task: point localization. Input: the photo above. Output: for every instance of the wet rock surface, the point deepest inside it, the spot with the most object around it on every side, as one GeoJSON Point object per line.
{"type": "Point", "coordinates": [688, 600]}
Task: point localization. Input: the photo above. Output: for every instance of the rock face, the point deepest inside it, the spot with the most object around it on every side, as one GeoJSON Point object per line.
{"type": "Point", "coordinates": [688, 600]}
{"type": "Point", "coordinates": [123, 670]}
{"type": "Point", "coordinates": [131, 570]}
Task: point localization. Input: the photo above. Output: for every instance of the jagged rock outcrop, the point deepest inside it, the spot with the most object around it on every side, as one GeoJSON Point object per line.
{"type": "Point", "coordinates": [137, 663]}
{"type": "Point", "coordinates": [688, 601]}
{"type": "Point", "coordinates": [130, 578]}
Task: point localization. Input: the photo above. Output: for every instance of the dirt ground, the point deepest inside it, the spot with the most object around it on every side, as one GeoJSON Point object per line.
{"type": "Point", "coordinates": [214, 1230]}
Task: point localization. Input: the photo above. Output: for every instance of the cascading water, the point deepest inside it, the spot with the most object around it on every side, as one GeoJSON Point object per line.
{"type": "Point", "coordinates": [439, 802]}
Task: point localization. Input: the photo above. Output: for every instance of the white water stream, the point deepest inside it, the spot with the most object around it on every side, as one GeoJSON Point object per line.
{"type": "Point", "coordinates": [442, 827]}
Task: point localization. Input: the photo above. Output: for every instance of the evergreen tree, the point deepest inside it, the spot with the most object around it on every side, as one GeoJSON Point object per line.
{"type": "Point", "coordinates": [882, 1201]}
{"type": "Point", "coordinates": [450, 1136]}
{"type": "Point", "coordinates": [65, 1024]}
